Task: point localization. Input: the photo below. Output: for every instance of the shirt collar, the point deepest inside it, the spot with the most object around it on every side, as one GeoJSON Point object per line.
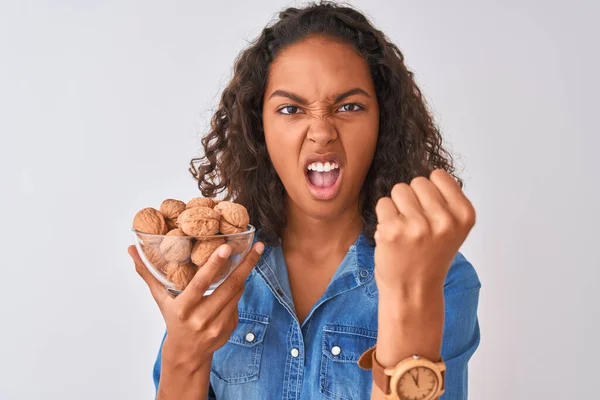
{"type": "Point", "coordinates": [356, 269]}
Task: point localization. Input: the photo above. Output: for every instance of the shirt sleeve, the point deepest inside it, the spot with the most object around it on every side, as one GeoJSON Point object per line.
{"type": "Point", "coordinates": [461, 326]}
{"type": "Point", "coordinates": [156, 373]}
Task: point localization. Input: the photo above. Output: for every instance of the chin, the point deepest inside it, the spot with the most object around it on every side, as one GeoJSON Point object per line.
{"type": "Point", "coordinates": [326, 210]}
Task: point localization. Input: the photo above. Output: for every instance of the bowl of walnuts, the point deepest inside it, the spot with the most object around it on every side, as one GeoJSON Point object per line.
{"type": "Point", "coordinates": [177, 239]}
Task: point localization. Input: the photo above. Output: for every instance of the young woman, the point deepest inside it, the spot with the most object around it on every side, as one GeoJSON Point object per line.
{"type": "Point", "coordinates": [323, 135]}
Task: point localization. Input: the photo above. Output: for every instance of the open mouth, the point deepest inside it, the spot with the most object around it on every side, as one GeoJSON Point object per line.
{"type": "Point", "coordinates": [323, 179]}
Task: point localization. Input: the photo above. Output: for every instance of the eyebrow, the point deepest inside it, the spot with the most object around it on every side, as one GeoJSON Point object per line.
{"type": "Point", "coordinates": [301, 100]}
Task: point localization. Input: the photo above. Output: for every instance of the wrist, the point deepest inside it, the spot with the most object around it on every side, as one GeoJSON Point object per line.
{"type": "Point", "coordinates": [410, 299]}
{"type": "Point", "coordinates": [410, 322]}
{"type": "Point", "coordinates": [409, 286]}
{"type": "Point", "coordinates": [181, 360]}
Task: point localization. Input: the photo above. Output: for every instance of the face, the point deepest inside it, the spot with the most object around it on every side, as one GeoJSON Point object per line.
{"type": "Point", "coordinates": [321, 121]}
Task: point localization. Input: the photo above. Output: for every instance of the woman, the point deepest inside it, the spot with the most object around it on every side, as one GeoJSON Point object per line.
{"type": "Point", "coordinates": [323, 135]}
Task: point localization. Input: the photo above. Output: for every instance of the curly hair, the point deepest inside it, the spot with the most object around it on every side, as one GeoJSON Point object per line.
{"type": "Point", "coordinates": [235, 154]}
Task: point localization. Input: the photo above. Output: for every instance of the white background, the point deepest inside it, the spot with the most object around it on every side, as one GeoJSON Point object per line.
{"type": "Point", "coordinates": [102, 105]}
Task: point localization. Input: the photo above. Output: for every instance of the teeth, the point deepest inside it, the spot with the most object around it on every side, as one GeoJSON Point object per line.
{"type": "Point", "coordinates": [320, 167]}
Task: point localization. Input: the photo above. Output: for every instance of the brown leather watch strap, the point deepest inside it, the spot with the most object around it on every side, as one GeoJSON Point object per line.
{"type": "Point", "coordinates": [368, 361]}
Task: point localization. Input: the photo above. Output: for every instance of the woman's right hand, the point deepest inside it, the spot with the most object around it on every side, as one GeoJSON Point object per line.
{"type": "Point", "coordinates": [197, 326]}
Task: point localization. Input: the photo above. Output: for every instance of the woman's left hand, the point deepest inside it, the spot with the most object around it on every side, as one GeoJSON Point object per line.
{"type": "Point", "coordinates": [420, 229]}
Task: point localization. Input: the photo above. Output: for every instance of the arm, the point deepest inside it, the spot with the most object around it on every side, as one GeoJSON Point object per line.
{"type": "Point", "coordinates": [199, 325]}
{"type": "Point", "coordinates": [413, 330]}
{"type": "Point", "coordinates": [409, 323]}
{"type": "Point", "coordinates": [175, 380]}
{"type": "Point", "coordinates": [419, 231]}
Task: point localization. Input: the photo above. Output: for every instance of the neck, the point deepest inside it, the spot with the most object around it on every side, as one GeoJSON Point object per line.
{"type": "Point", "coordinates": [320, 237]}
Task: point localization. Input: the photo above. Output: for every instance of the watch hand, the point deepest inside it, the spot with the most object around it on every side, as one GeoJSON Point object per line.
{"type": "Point", "coordinates": [417, 382]}
{"type": "Point", "coordinates": [414, 379]}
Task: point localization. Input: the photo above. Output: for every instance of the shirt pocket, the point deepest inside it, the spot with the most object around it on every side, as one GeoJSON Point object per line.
{"type": "Point", "coordinates": [341, 377]}
{"type": "Point", "coordinates": [238, 361]}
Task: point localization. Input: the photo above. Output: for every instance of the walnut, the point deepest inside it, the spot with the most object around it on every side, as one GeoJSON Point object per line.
{"type": "Point", "coordinates": [153, 255]}
{"type": "Point", "coordinates": [180, 274]}
{"type": "Point", "coordinates": [171, 209]}
{"type": "Point", "coordinates": [203, 249]}
{"type": "Point", "coordinates": [200, 202]}
{"type": "Point", "coordinates": [234, 217]}
{"type": "Point", "coordinates": [199, 221]}
{"type": "Point", "coordinates": [172, 224]}
{"type": "Point", "coordinates": [150, 220]}
{"type": "Point", "coordinates": [176, 246]}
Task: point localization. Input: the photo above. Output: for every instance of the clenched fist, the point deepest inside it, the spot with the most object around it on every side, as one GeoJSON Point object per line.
{"type": "Point", "coordinates": [419, 231]}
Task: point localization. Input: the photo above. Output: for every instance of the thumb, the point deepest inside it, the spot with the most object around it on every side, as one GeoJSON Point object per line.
{"type": "Point", "coordinates": [156, 288]}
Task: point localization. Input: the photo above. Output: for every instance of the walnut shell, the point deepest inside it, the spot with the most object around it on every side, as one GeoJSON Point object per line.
{"type": "Point", "coordinates": [176, 246]}
{"type": "Point", "coordinates": [199, 221]}
{"type": "Point", "coordinates": [171, 208]}
{"type": "Point", "coordinates": [180, 274]}
{"type": "Point", "coordinates": [200, 202]}
{"type": "Point", "coordinates": [150, 220]}
{"type": "Point", "coordinates": [234, 217]}
{"type": "Point", "coordinates": [153, 255]}
{"type": "Point", "coordinates": [172, 224]}
{"type": "Point", "coordinates": [203, 249]}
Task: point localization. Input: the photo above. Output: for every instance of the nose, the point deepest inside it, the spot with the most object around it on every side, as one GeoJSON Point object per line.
{"type": "Point", "coordinates": [322, 131]}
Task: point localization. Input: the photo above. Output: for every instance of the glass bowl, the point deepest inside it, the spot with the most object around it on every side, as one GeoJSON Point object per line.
{"type": "Point", "coordinates": [170, 260]}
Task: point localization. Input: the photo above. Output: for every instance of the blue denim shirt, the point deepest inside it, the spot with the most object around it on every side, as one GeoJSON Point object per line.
{"type": "Point", "coordinates": [270, 355]}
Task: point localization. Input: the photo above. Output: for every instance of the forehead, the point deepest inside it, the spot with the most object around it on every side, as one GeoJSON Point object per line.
{"type": "Point", "coordinates": [318, 66]}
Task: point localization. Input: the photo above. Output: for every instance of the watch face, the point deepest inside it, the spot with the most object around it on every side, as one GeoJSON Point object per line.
{"type": "Point", "coordinates": [418, 383]}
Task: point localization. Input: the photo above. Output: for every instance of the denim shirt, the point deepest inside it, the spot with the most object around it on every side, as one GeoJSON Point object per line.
{"type": "Point", "coordinates": [270, 355]}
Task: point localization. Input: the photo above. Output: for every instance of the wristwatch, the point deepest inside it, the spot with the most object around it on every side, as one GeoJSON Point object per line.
{"type": "Point", "coordinates": [413, 378]}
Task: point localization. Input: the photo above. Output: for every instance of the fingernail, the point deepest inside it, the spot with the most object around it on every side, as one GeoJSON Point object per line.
{"type": "Point", "coordinates": [260, 248]}
{"type": "Point", "coordinates": [224, 251]}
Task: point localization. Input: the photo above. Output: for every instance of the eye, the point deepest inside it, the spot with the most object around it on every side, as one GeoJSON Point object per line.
{"type": "Point", "coordinates": [345, 107]}
{"type": "Point", "coordinates": [291, 110]}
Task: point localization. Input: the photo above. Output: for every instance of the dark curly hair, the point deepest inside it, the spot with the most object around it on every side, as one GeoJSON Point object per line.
{"type": "Point", "coordinates": [235, 153]}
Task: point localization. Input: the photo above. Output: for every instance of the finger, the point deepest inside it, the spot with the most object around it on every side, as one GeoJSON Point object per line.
{"type": "Point", "coordinates": [204, 277]}
{"type": "Point", "coordinates": [448, 187]}
{"type": "Point", "coordinates": [157, 289]}
{"type": "Point", "coordinates": [386, 210]}
{"type": "Point", "coordinates": [387, 213]}
{"type": "Point", "coordinates": [406, 200]}
{"type": "Point", "coordinates": [222, 318]}
{"type": "Point", "coordinates": [433, 203]}
{"type": "Point", "coordinates": [456, 201]}
{"type": "Point", "coordinates": [227, 319]}
{"type": "Point", "coordinates": [229, 308]}
{"type": "Point", "coordinates": [234, 284]}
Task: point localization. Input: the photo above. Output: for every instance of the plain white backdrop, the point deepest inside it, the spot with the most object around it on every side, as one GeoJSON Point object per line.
{"type": "Point", "coordinates": [102, 105]}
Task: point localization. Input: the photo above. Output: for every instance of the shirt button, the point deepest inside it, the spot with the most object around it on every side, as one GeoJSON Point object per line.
{"type": "Point", "coordinates": [250, 337]}
{"type": "Point", "coordinates": [295, 352]}
{"type": "Point", "coordinates": [280, 292]}
{"type": "Point", "coordinates": [364, 273]}
{"type": "Point", "coordinates": [335, 350]}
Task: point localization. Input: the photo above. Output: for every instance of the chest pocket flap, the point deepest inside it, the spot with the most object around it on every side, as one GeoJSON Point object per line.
{"type": "Point", "coordinates": [341, 377]}
{"type": "Point", "coordinates": [250, 331]}
{"type": "Point", "coordinates": [238, 361]}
